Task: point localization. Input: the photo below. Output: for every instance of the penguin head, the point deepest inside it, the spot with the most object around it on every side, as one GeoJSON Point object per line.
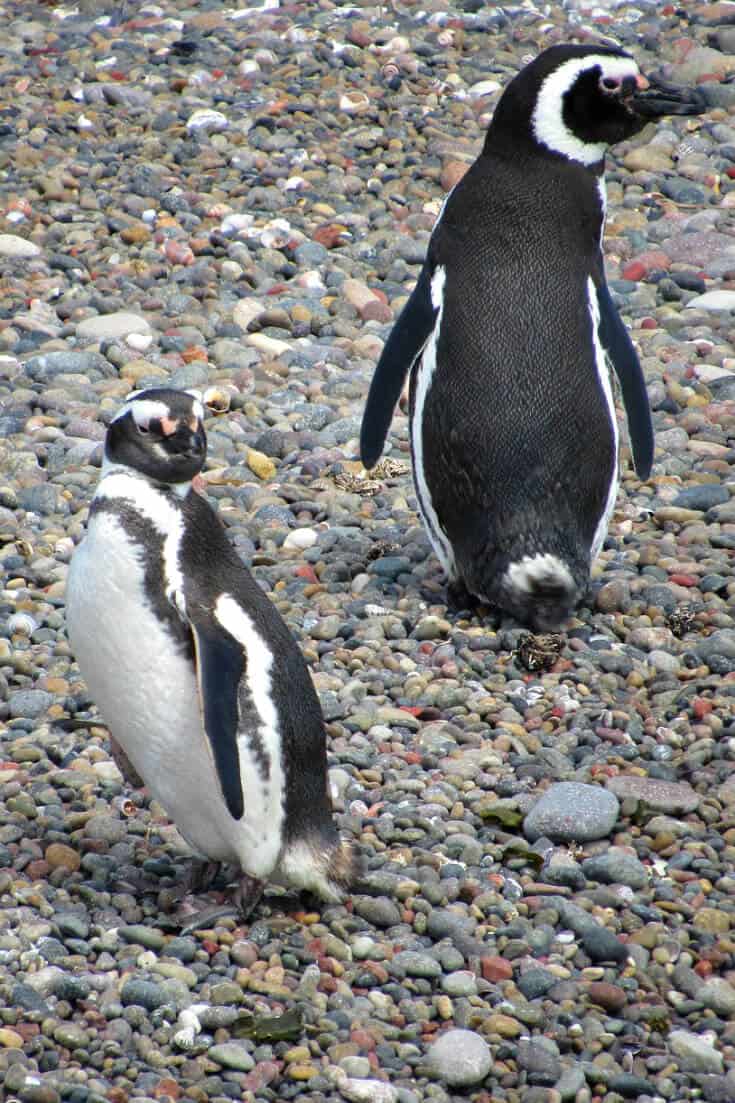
{"type": "Point", "coordinates": [577, 100]}
{"type": "Point", "coordinates": [159, 433]}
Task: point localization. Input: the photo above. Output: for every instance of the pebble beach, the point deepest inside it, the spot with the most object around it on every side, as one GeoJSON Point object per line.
{"type": "Point", "coordinates": [238, 200]}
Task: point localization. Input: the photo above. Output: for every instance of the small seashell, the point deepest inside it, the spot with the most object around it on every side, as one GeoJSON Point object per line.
{"type": "Point", "coordinates": [249, 65]}
{"type": "Point", "coordinates": [276, 233]}
{"type": "Point", "coordinates": [390, 70]}
{"type": "Point", "coordinates": [217, 400]}
{"type": "Point", "coordinates": [408, 63]}
{"type": "Point", "coordinates": [354, 103]}
{"type": "Point", "coordinates": [446, 37]}
{"type": "Point", "coordinates": [21, 624]}
{"type": "Point", "coordinates": [398, 44]}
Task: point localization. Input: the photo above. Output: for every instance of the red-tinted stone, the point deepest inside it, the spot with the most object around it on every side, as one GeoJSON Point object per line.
{"type": "Point", "coordinates": [636, 270]}
{"type": "Point", "coordinates": [376, 311]}
{"type": "Point", "coordinates": [495, 969]}
{"type": "Point", "coordinates": [178, 253]}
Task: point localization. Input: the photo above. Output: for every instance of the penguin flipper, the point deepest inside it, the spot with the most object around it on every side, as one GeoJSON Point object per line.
{"type": "Point", "coordinates": [403, 347]}
{"type": "Point", "coordinates": [624, 359]}
{"type": "Point", "coordinates": [220, 665]}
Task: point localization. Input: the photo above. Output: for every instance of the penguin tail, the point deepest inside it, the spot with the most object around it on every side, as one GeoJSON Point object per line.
{"type": "Point", "coordinates": [539, 590]}
{"type": "Point", "coordinates": [327, 867]}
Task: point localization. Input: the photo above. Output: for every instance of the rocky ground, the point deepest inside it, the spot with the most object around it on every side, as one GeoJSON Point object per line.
{"type": "Point", "coordinates": [239, 200]}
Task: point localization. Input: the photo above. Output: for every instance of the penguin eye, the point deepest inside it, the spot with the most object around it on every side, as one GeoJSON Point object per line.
{"type": "Point", "coordinates": [610, 84]}
{"type": "Point", "coordinates": [144, 428]}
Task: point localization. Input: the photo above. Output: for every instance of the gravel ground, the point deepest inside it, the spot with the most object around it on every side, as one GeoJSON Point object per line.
{"type": "Point", "coordinates": [239, 200]}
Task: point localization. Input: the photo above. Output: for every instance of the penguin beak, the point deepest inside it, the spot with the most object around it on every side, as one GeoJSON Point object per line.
{"type": "Point", "coordinates": [656, 97]}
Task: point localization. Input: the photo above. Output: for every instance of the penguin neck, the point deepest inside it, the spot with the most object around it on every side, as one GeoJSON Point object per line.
{"type": "Point", "coordinates": [555, 173]}
{"type": "Point", "coordinates": [502, 140]}
{"type": "Point", "coordinates": [110, 468]}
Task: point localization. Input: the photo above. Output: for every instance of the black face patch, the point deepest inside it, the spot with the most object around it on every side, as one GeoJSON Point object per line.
{"type": "Point", "coordinates": [597, 115]}
{"type": "Point", "coordinates": [165, 456]}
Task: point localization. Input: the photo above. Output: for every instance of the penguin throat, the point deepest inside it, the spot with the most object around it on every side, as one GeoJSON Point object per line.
{"type": "Point", "coordinates": [110, 467]}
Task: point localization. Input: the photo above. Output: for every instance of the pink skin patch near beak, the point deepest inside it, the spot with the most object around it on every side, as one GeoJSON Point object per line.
{"type": "Point", "coordinates": [642, 83]}
{"type": "Point", "coordinates": [169, 425]}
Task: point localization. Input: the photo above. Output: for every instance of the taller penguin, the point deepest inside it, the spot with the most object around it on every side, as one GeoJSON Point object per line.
{"type": "Point", "coordinates": [507, 335]}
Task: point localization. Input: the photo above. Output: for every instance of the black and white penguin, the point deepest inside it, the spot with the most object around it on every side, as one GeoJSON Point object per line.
{"type": "Point", "coordinates": [194, 671]}
{"type": "Point", "coordinates": [508, 334]}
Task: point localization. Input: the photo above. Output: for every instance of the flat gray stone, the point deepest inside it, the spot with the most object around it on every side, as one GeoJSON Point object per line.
{"type": "Point", "coordinates": [694, 1053]}
{"type": "Point", "coordinates": [570, 811]}
{"type": "Point", "coordinates": [232, 1055]}
{"type": "Point", "coordinates": [713, 300]}
{"type": "Point", "coordinates": [675, 798]}
{"type": "Point", "coordinates": [12, 245]}
{"type": "Point", "coordinates": [119, 324]}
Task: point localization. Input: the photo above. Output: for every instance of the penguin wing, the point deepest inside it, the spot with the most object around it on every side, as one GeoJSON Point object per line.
{"type": "Point", "coordinates": [617, 344]}
{"type": "Point", "coordinates": [220, 664]}
{"type": "Point", "coordinates": [403, 347]}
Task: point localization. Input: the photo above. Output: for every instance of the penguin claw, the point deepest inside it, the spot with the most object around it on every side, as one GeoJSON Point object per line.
{"type": "Point", "coordinates": [247, 894]}
{"type": "Point", "coordinates": [202, 873]}
{"type": "Point", "coordinates": [207, 917]}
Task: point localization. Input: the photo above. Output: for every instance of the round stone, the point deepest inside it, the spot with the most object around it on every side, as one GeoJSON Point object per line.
{"type": "Point", "coordinates": [460, 1058]}
{"type": "Point", "coordinates": [232, 1055]}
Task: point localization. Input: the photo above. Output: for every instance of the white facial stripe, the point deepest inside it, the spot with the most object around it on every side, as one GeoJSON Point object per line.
{"type": "Point", "coordinates": [426, 369]}
{"type": "Point", "coordinates": [603, 375]}
{"type": "Point", "coordinates": [236, 621]}
{"type": "Point", "coordinates": [548, 121]}
{"type": "Point", "coordinates": [156, 508]}
{"type": "Point", "coordinates": [144, 410]}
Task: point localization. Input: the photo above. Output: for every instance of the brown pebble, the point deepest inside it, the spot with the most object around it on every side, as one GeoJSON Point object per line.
{"type": "Point", "coordinates": [59, 856]}
{"type": "Point", "coordinates": [607, 995]}
{"type": "Point", "coordinates": [451, 173]}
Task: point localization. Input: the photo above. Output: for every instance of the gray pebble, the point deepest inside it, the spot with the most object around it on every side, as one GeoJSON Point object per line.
{"type": "Point", "coordinates": [572, 811]}
{"type": "Point", "coordinates": [460, 1058]}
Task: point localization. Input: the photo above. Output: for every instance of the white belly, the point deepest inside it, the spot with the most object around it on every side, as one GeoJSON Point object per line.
{"type": "Point", "coordinates": [147, 694]}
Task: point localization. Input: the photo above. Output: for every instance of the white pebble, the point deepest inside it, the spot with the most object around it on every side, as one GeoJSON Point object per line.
{"type": "Point", "coordinates": [206, 121]}
{"type": "Point", "coordinates": [139, 341]}
{"type": "Point", "coordinates": [483, 88]}
{"type": "Point", "coordinates": [300, 538]}
{"type": "Point", "coordinates": [13, 246]}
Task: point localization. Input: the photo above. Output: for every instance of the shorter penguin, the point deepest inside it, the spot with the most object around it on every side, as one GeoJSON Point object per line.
{"type": "Point", "coordinates": [193, 669]}
{"type": "Point", "coordinates": [508, 338]}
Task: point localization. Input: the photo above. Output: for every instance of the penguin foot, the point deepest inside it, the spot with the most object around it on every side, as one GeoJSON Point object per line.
{"type": "Point", "coordinates": [206, 918]}
{"type": "Point", "coordinates": [459, 598]}
{"type": "Point", "coordinates": [202, 873]}
{"type": "Point", "coordinates": [247, 894]}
